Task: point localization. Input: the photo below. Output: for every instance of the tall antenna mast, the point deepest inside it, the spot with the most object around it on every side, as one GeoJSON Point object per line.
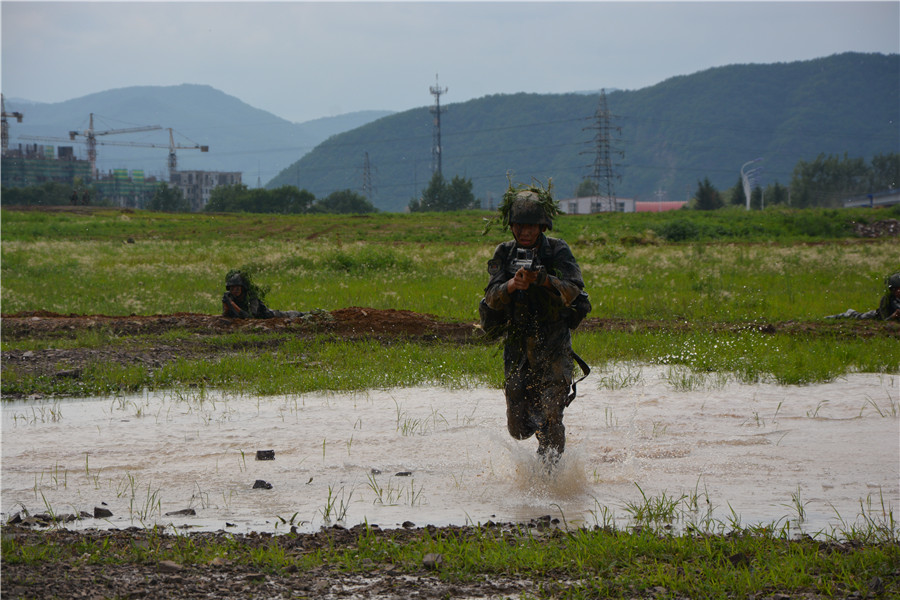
{"type": "Point", "coordinates": [436, 91]}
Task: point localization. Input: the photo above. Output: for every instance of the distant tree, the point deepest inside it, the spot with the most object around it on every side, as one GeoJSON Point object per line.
{"type": "Point", "coordinates": [775, 193]}
{"type": "Point", "coordinates": [286, 199]}
{"type": "Point", "coordinates": [737, 196]}
{"type": "Point", "coordinates": [885, 172]}
{"type": "Point", "coordinates": [227, 198]}
{"type": "Point", "coordinates": [707, 196]}
{"type": "Point", "coordinates": [343, 202]}
{"type": "Point", "coordinates": [168, 199]}
{"type": "Point", "coordinates": [289, 199]}
{"type": "Point", "coordinates": [441, 196]}
{"type": "Point", "coordinates": [458, 195]}
{"type": "Point", "coordinates": [432, 196]}
{"type": "Point", "coordinates": [49, 193]}
{"type": "Point", "coordinates": [588, 187]}
{"type": "Point", "coordinates": [756, 198]}
{"type": "Point", "coordinates": [829, 179]}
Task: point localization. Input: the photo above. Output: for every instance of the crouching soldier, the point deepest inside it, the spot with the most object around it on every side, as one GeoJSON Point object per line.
{"type": "Point", "coordinates": [888, 308]}
{"type": "Point", "coordinates": [242, 300]}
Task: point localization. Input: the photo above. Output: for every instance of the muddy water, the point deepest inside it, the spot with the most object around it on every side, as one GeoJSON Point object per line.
{"type": "Point", "coordinates": [722, 452]}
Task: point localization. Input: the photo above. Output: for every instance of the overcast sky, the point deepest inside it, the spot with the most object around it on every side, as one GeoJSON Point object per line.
{"type": "Point", "coordinates": [304, 60]}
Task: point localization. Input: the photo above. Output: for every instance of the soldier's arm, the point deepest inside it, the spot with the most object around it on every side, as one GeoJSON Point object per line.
{"type": "Point", "coordinates": [496, 294]}
{"type": "Point", "coordinates": [567, 290]}
{"type": "Point", "coordinates": [567, 281]}
{"type": "Point", "coordinates": [229, 307]}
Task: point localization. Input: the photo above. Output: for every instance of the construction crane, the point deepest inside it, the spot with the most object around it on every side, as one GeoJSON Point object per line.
{"type": "Point", "coordinates": [5, 123]}
{"type": "Point", "coordinates": [173, 160]}
{"type": "Point", "coordinates": [90, 138]}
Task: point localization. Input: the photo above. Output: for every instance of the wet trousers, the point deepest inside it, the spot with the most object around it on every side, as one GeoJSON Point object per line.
{"type": "Point", "coordinates": [536, 395]}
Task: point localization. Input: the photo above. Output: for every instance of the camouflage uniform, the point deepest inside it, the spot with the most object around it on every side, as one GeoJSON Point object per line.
{"type": "Point", "coordinates": [247, 307]}
{"type": "Point", "coordinates": [888, 305]}
{"type": "Point", "coordinates": [537, 354]}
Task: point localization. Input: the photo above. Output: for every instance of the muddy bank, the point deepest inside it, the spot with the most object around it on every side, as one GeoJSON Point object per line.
{"type": "Point", "coordinates": [223, 578]}
{"type": "Point", "coordinates": [73, 575]}
{"type": "Point", "coordinates": [196, 332]}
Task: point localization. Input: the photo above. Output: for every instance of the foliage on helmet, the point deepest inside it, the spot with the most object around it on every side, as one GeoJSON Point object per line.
{"type": "Point", "coordinates": [504, 212]}
{"type": "Point", "coordinates": [893, 281]}
{"type": "Point", "coordinates": [253, 290]}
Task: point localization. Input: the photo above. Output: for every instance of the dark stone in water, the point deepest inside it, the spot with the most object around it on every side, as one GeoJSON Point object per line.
{"type": "Point", "coordinates": [102, 513]}
{"type": "Point", "coordinates": [265, 455]}
{"type": "Point", "coordinates": [186, 512]}
{"type": "Point", "coordinates": [260, 484]}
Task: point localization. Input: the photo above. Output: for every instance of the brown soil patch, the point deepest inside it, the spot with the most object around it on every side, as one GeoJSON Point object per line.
{"type": "Point", "coordinates": [81, 577]}
{"type": "Point", "coordinates": [140, 339]}
{"type": "Point", "coordinates": [348, 323]}
{"type": "Point", "coordinates": [70, 573]}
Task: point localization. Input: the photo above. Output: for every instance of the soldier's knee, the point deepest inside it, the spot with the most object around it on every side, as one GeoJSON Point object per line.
{"type": "Point", "coordinates": [518, 422]}
{"type": "Point", "coordinates": [517, 431]}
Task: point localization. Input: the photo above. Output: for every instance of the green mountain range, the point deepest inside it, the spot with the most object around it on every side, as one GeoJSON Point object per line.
{"type": "Point", "coordinates": [655, 143]}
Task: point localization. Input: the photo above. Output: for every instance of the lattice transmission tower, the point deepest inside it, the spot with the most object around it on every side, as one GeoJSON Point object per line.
{"type": "Point", "coordinates": [368, 188]}
{"type": "Point", "coordinates": [606, 145]}
{"type": "Point", "coordinates": [436, 91]}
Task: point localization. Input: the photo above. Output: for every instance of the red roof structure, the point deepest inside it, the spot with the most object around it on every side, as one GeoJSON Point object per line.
{"type": "Point", "coordinates": [650, 206]}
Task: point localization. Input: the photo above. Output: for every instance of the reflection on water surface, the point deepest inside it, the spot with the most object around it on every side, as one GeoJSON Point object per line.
{"type": "Point", "coordinates": [758, 453]}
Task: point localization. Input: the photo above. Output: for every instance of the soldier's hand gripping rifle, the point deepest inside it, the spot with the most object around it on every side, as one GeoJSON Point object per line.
{"type": "Point", "coordinates": [527, 259]}
{"type": "Point", "coordinates": [229, 304]}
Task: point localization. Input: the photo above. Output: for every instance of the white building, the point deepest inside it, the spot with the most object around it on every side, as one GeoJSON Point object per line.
{"type": "Point", "coordinates": [196, 186]}
{"type": "Point", "coordinates": [595, 204]}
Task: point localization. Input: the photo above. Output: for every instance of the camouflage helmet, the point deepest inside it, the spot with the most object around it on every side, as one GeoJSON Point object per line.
{"type": "Point", "coordinates": [234, 279]}
{"type": "Point", "coordinates": [526, 209]}
{"type": "Point", "coordinates": [893, 281]}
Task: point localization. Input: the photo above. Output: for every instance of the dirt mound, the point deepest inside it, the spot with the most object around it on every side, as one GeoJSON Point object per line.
{"type": "Point", "coordinates": [878, 229]}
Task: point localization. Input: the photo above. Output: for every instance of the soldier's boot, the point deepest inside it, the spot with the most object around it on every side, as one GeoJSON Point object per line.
{"type": "Point", "coordinates": [551, 441]}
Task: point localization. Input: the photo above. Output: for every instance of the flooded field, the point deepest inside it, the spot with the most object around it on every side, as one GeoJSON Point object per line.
{"type": "Point", "coordinates": [718, 453]}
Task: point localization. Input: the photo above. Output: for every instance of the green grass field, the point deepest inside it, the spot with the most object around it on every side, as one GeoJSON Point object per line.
{"type": "Point", "coordinates": [728, 267]}
{"type": "Point", "coordinates": [743, 268]}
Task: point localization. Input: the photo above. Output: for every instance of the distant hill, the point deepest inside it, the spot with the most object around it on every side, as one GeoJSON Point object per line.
{"type": "Point", "coordinates": [240, 137]}
{"type": "Point", "coordinates": [673, 134]}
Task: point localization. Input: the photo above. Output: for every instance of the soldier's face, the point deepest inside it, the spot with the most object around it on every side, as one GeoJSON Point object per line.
{"type": "Point", "coordinates": [526, 234]}
{"type": "Point", "coordinates": [236, 291]}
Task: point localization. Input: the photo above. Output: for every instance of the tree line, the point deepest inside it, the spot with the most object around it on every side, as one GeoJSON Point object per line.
{"type": "Point", "coordinates": [823, 182]}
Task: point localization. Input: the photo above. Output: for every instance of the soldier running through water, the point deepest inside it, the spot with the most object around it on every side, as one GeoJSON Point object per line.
{"type": "Point", "coordinates": [535, 294]}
